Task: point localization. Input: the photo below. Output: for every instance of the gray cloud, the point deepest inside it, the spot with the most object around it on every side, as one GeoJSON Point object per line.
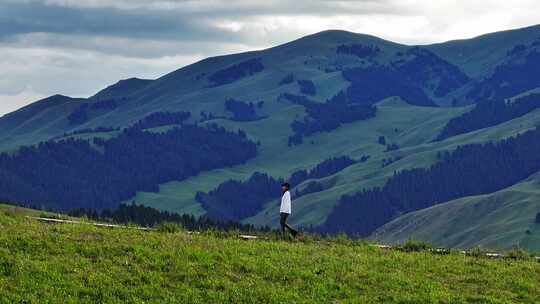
{"type": "Point", "coordinates": [124, 46]}
{"type": "Point", "coordinates": [76, 47]}
{"type": "Point", "coordinates": [185, 21]}
{"type": "Point", "coordinates": [23, 18]}
{"type": "Point", "coordinates": [239, 8]}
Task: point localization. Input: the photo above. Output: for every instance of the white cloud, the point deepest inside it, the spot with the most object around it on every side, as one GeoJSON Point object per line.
{"type": "Point", "coordinates": [78, 56]}
{"type": "Point", "coordinates": [77, 73]}
{"type": "Point", "coordinates": [125, 46]}
{"type": "Point", "coordinates": [9, 103]}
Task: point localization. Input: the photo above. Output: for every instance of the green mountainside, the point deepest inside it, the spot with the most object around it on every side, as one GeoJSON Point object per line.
{"type": "Point", "coordinates": [500, 220]}
{"type": "Point", "coordinates": [444, 73]}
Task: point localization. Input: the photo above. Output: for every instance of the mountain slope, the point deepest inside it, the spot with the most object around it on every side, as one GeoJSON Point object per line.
{"type": "Point", "coordinates": [478, 56]}
{"type": "Point", "coordinates": [501, 220]}
{"type": "Point", "coordinates": [122, 89]}
{"type": "Point", "coordinates": [38, 121]}
{"type": "Point", "coordinates": [417, 150]}
{"type": "Point", "coordinates": [314, 57]}
{"type": "Point", "coordinates": [300, 83]}
{"type": "Point", "coordinates": [415, 125]}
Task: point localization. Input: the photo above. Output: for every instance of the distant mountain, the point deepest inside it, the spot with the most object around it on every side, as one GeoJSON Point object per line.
{"type": "Point", "coordinates": [122, 89]}
{"type": "Point", "coordinates": [479, 56]}
{"type": "Point", "coordinates": [37, 121]}
{"type": "Point", "coordinates": [387, 106]}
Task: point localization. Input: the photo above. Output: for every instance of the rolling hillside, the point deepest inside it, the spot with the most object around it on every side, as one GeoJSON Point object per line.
{"type": "Point", "coordinates": [310, 82]}
{"type": "Point", "coordinates": [69, 263]}
{"type": "Point", "coordinates": [500, 220]}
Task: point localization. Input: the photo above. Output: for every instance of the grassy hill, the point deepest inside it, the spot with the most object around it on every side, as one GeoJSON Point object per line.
{"type": "Point", "coordinates": [312, 57]}
{"type": "Point", "coordinates": [501, 220]}
{"type": "Point", "coordinates": [479, 55]}
{"type": "Point", "coordinates": [84, 264]}
{"type": "Point", "coordinates": [316, 58]}
{"type": "Point", "coordinates": [416, 126]}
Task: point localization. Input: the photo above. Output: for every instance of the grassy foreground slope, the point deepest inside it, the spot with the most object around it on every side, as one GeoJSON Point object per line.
{"type": "Point", "coordinates": [500, 220]}
{"type": "Point", "coordinates": [42, 263]}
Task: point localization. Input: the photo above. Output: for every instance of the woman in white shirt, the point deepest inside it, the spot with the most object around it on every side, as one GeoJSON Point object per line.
{"type": "Point", "coordinates": [285, 210]}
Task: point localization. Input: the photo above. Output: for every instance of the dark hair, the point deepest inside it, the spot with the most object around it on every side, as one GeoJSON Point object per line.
{"type": "Point", "coordinates": [286, 185]}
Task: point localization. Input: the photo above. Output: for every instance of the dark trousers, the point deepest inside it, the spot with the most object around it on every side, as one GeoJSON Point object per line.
{"type": "Point", "coordinates": [283, 222]}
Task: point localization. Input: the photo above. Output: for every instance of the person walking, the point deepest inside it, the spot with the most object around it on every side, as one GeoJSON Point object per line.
{"type": "Point", "coordinates": [285, 210]}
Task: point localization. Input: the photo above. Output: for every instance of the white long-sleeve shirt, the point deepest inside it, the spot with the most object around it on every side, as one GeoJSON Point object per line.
{"type": "Point", "coordinates": [285, 203]}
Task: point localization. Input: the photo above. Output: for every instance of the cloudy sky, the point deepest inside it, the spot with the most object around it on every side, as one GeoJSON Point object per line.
{"type": "Point", "coordinates": [76, 47]}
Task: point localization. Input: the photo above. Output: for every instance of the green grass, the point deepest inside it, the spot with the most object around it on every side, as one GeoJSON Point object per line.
{"type": "Point", "coordinates": [20, 211]}
{"type": "Point", "coordinates": [43, 263]}
{"type": "Point", "coordinates": [479, 55]}
{"type": "Point", "coordinates": [307, 58]}
{"type": "Point", "coordinates": [417, 126]}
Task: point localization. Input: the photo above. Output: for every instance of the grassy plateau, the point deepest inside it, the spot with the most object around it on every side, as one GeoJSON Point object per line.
{"type": "Point", "coordinates": [66, 263]}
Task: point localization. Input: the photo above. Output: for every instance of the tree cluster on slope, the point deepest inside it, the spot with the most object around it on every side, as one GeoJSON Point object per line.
{"type": "Point", "coordinates": [311, 187]}
{"type": "Point", "coordinates": [307, 87]}
{"type": "Point", "coordinates": [158, 119]}
{"type": "Point", "coordinates": [469, 170]}
{"type": "Point", "coordinates": [151, 217]}
{"type": "Point", "coordinates": [416, 72]}
{"type": "Point", "coordinates": [489, 113]}
{"type": "Point", "coordinates": [358, 50]}
{"type": "Point", "coordinates": [236, 200]}
{"type": "Point", "coordinates": [289, 78]}
{"type": "Point", "coordinates": [235, 72]}
{"type": "Point", "coordinates": [73, 173]}
{"type": "Point", "coordinates": [511, 77]}
{"type": "Point", "coordinates": [425, 69]}
{"type": "Point", "coordinates": [243, 111]}
{"type": "Point", "coordinates": [375, 83]}
{"type": "Point", "coordinates": [391, 147]}
{"type": "Point", "coordinates": [81, 114]}
{"type": "Point", "coordinates": [325, 117]}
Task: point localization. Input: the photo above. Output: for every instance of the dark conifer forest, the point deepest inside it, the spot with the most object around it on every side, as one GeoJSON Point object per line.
{"type": "Point", "coordinates": [74, 173]}
{"type": "Point", "coordinates": [81, 114]}
{"type": "Point", "coordinates": [407, 77]}
{"type": "Point", "coordinates": [374, 83]}
{"type": "Point", "coordinates": [150, 217]}
{"type": "Point", "coordinates": [469, 170]}
{"type": "Point", "coordinates": [359, 50]}
{"type": "Point", "coordinates": [158, 119]}
{"type": "Point", "coordinates": [325, 117]}
{"type": "Point", "coordinates": [420, 67]}
{"type": "Point", "coordinates": [516, 75]}
{"type": "Point", "coordinates": [297, 104]}
{"type": "Point", "coordinates": [490, 113]}
{"type": "Point", "coordinates": [289, 78]}
{"type": "Point", "coordinates": [311, 187]}
{"type": "Point", "coordinates": [307, 87]}
{"type": "Point", "coordinates": [236, 200]}
{"type": "Point", "coordinates": [242, 111]}
{"type": "Point", "coordinates": [236, 72]}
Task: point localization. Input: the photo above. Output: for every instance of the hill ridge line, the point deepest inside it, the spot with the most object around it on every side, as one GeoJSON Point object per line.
{"type": "Point", "coordinates": [254, 237]}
